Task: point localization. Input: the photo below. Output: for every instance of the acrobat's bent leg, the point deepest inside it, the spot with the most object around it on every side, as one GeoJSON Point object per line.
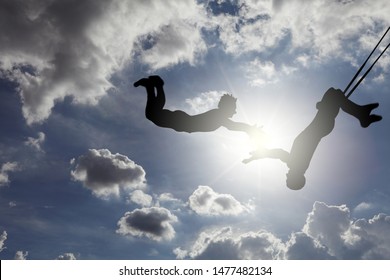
{"type": "Point", "coordinates": [334, 99]}
{"type": "Point", "coordinates": [158, 83]}
{"type": "Point", "coordinates": [361, 112]}
{"type": "Point", "coordinates": [155, 103]}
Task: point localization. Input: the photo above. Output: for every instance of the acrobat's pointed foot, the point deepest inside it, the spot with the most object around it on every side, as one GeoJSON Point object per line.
{"type": "Point", "coordinates": [371, 119]}
{"type": "Point", "coordinates": [142, 82]}
{"type": "Point", "coordinates": [372, 106]}
{"type": "Point", "coordinates": [151, 81]}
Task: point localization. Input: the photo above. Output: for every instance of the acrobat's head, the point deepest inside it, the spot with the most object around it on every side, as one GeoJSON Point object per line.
{"type": "Point", "coordinates": [227, 104]}
{"type": "Point", "coordinates": [295, 180]}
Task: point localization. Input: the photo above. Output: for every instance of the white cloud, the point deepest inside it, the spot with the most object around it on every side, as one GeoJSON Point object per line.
{"type": "Point", "coordinates": [180, 253]}
{"type": "Point", "coordinates": [20, 255]}
{"type": "Point", "coordinates": [167, 197]}
{"type": "Point", "coordinates": [345, 238]}
{"type": "Point", "coordinates": [175, 43]}
{"type": "Point", "coordinates": [5, 169]}
{"type": "Point", "coordinates": [363, 206]}
{"type": "Point", "coordinates": [303, 247]}
{"type": "Point", "coordinates": [3, 238]}
{"type": "Point", "coordinates": [261, 73]}
{"type": "Point", "coordinates": [312, 31]}
{"type": "Point", "coordinates": [328, 224]}
{"type": "Point", "coordinates": [154, 223]}
{"type": "Point", "coordinates": [204, 102]}
{"type": "Point", "coordinates": [36, 142]}
{"type": "Point", "coordinates": [252, 29]}
{"type": "Point", "coordinates": [205, 201]}
{"type": "Point", "coordinates": [66, 256]}
{"type": "Point", "coordinates": [168, 200]}
{"type": "Point", "coordinates": [12, 204]}
{"type": "Point", "coordinates": [324, 25]}
{"type": "Point", "coordinates": [371, 238]}
{"type": "Point", "coordinates": [105, 174]}
{"type": "Point", "coordinates": [141, 198]}
{"type": "Point", "coordinates": [329, 233]}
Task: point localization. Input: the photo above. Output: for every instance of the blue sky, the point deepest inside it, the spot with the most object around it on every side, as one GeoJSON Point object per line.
{"type": "Point", "coordinates": [84, 175]}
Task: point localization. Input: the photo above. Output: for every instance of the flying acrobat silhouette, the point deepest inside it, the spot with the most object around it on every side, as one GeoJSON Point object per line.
{"type": "Point", "coordinates": [183, 122]}
{"type": "Point", "coordinates": [306, 142]}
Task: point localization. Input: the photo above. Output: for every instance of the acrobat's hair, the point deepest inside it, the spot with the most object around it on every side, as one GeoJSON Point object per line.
{"type": "Point", "coordinates": [227, 100]}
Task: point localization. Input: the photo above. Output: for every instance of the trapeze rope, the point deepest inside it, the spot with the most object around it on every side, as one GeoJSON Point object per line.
{"type": "Point", "coordinates": [364, 64]}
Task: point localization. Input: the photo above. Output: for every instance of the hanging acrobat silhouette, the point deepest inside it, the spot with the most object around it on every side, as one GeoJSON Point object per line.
{"type": "Point", "coordinates": [183, 122]}
{"type": "Point", "coordinates": [305, 144]}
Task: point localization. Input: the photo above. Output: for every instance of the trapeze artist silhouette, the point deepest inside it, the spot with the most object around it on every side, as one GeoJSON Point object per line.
{"type": "Point", "coordinates": [306, 142]}
{"type": "Point", "coordinates": [183, 122]}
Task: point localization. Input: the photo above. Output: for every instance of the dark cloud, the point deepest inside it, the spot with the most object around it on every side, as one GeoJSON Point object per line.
{"type": "Point", "coordinates": [55, 48]}
{"type": "Point", "coordinates": [50, 37]}
{"type": "Point", "coordinates": [106, 174]}
{"type": "Point", "coordinates": [154, 223]}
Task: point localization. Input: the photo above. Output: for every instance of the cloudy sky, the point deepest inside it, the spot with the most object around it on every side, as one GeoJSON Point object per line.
{"type": "Point", "coordinates": [84, 175]}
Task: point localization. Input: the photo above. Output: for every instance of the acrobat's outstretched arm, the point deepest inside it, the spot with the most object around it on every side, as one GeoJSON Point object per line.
{"type": "Point", "coordinates": [268, 153]}
{"type": "Point", "coordinates": [253, 131]}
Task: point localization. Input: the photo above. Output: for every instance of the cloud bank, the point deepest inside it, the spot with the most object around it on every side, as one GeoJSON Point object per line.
{"type": "Point", "coordinates": [329, 233]}
{"type": "Point", "coordinates": [106, 174]}
{"type": "Point", "coordinates": [154, 223]}
{"type": "Point", "coordinates": [54, 49]}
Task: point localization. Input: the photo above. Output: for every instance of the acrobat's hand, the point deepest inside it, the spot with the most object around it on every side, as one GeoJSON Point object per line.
{"type": "Point", "coordinates": [257, 154]}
